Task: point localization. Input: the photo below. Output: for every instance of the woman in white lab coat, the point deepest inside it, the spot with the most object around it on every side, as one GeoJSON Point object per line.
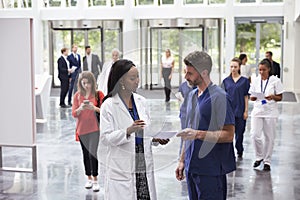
{"type": "Point", "coordinates": [123, 118]}
{"type": "Point", "coordinates": [265, 91]}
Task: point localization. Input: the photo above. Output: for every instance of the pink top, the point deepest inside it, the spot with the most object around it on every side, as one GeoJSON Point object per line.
{"type": "Point", "coordinates": [86, 121]}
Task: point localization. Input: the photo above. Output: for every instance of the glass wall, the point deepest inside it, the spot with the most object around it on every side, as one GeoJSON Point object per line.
{"type": "Point", "coordinates": [255, 38]}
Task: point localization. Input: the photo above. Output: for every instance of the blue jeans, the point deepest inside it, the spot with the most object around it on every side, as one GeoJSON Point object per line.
{"type": "Point", "coordinates": [206, 187]}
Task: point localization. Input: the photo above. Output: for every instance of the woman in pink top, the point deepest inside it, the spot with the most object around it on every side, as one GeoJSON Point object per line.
{"type": "Point", "coordinates": [85, 107]}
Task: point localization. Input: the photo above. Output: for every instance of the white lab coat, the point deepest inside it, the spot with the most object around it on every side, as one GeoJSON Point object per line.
{"type": "Point", "coordinates": [120, 180]}
{"type": "Point", "coordinates": [103, 77]}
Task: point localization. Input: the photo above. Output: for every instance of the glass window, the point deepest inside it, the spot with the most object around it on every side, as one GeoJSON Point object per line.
{"type": "Point", "coordinates": [216, 1]}
{"type": "Point", "coordinates": [145, 2]}
{"type": "Point", "coordinates": [193, 1]}
{"type": "Point", "coordinates": [118, 3]}
{"type": "Point", "coordinates": [99, 2]}
{"type": "Point", "coordinates": [111, 41]}
{"type": "Point", "coordinates": [245, 1]}
{"type": "Point", "coordinates": [272, 1]}
{"type": "Point", "coordinates": [166, 2]}
{"type": "Point", "coordinates": [54, 3]}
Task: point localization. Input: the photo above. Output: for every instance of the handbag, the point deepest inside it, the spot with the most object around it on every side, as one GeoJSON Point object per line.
{"type": "Point", "coordinates": [99, 101]}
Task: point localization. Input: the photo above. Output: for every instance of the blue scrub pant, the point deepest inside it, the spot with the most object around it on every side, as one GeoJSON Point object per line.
{"type": "Point", "coordinates": [206, 187]}
{"type": "Point", "coordinates": [240, 125]}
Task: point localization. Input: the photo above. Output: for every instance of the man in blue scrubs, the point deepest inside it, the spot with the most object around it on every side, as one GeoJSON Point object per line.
{"type": "Point", "coordinates": [208, 153]}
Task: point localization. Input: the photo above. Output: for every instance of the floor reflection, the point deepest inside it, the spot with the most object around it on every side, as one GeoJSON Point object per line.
{"type": "Point", "coordinates": [60, 172]}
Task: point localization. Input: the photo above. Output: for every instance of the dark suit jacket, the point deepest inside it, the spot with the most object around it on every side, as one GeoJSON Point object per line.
{"type": "Point", "coordinates": [76, 63]}
{"type": "Point", "coordinates": [62, 69]}
{"type": "Point", "coordinates": [96, 65]}
{"type": "Point", "coordinates": [276, 69]}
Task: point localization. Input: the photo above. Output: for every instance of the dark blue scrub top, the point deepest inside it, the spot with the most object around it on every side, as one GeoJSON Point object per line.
{"type": "Point", "coordinates": [210, 111]}
{"type": "Point", "coordinates": [237, 91]}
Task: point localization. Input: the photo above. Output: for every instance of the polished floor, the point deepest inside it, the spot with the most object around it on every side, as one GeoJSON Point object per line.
{"type": "Point", "coordinates": [60, 172]}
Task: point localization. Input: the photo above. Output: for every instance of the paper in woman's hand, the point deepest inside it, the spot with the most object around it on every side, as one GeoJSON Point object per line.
{"type": "Point", "coordinates": [165, 134]}
{"type": "Point", "coordinates": [258, 95]}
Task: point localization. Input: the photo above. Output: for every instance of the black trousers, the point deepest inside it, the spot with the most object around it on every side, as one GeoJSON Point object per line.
{"type": "Point", "coordinates": [89, 145]}
{"type": "Point", "coordinates": [166, 73]}
{"type": "Point", "coordinates": [64, 87]}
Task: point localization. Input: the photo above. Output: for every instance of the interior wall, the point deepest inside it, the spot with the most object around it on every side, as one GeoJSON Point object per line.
{"type": "Point", "coordinates": [291, 48]}
{"type": "Point", "coordinates": [17, 83]}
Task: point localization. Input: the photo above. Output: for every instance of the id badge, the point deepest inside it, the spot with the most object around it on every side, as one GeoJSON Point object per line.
{"type": "Point", "coordinates": [263, 102]}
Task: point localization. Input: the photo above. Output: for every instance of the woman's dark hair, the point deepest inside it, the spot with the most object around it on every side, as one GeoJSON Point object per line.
{"type": "Point", "coordinates": [236, 59]}
{"type": "Point", "coordinates": [242, 56]}
{"type": "Point", "coordinates": [118, 69]}
{"type": "Point", "coordinates": [268, 64]}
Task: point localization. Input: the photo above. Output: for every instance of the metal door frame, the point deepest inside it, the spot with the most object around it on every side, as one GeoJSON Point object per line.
{"type": "Point", "coordinates": [180, 29]}
{"type": "Point", "coordinates": [51, 56]}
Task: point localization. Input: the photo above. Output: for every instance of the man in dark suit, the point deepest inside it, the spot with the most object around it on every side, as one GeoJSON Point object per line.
{"type": "Point", "coordinates": [275, 65]}
{"type": "Point", "coordinates": [91, 62]}
{"type": "Point", "coordinates": [75, 66]}
{"type": "Point", "coordinates": [63, 75]}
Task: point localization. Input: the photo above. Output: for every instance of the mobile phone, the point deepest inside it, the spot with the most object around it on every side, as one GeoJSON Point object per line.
{"type": "Point", "coordinates": [86, 102]}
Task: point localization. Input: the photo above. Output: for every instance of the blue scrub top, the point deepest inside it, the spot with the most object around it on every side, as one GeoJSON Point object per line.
{"type": "Point", "coordinates": [237, 91]}
{"type": "Point", "coordinates": [185, 89]}
{"type": "Point", "coordinates": [210, 111]}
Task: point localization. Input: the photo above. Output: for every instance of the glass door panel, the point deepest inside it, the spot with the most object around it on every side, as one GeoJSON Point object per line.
{"type": "Point", "coordinates": [61, 38]}
{"type": "Point", "coordinates": [163, 39]}
{"type": "Point", "coordinates": [111, 41]}
{"type": "Point", "coordinates": [94, 40]}
{"type": "Point", "coordinates": [180, 41]}
{"type": "Point", "coordinates": [79, 40]}
{"type": "Point", "coordinates": [192, 39]}
{"type": "Point", "coordinates": [255, 39]}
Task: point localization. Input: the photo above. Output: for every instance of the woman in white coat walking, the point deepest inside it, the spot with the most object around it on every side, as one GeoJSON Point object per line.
{"type": "Point", "coordinates": [124, 116]}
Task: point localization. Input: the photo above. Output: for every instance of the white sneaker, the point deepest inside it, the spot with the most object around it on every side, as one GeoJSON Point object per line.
{"type": "Point", "coordinates": [96, 186]}
{"type": "Point", "coordinates": [89, 184]}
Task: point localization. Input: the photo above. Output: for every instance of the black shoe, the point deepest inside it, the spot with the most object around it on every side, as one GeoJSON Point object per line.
{"type": "Point", "coordinates": [240, 155]}
{"type": "Point", "coordinates": [69, 104]}
{"type": "Point", "coordinates": [267, 167]}
{"type": "Point", "coordinates": [257, 163]}
{"type": "Point", "coordinates": [64, 106]}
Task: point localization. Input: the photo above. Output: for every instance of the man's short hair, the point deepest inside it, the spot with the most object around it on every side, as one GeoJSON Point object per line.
{"type": "Point", "coordinates": [200, 60]}
{"type": "Point", "coordinates": [270, 52]}
{"type": "Point", "coordinates": [63, 50]}
{"type": "Point", "coordinates": [87, 47]}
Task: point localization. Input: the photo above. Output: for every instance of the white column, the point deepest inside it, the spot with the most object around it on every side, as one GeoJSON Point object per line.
{"type": "Point", "coordinates": [291, 47]}
{"type": "Point", "coordinates": [229, 37]}
{"type": "Point", "coordinates": [296, 58]}
{"type": "Point", "coordinates": [130, 35]}
{"type": "Point", "coordinates": [37, 38]}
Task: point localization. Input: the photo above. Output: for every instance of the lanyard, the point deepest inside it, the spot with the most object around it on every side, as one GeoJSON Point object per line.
{"type": "Point", "coordinates": [135, 116]}
{"type": "Point", "coordinates": [261, 86]}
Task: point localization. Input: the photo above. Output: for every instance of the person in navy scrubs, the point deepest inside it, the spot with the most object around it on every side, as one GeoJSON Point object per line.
{"type": "Point", "coordinates": [208, 153]}
{"type": "Point", "coordinates": [237, 88]}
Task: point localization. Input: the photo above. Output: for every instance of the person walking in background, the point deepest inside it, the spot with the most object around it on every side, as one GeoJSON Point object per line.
{"type": "Point", "coordinates": [274, 65]}
{"type": "Point", "coordinates": [86, 105]}
{"type": "Point", "coordinates": [123, 118]}
{"type": "Point", "coordinates": [237, 88]}
{"type": "Point", "coordinates": [245, 69]}
{"type": "Point", "coordinates": [91, 62]}
{"type": "Point", "coordinates": [103, 78]}
{"type": "Point", "coordinates": [75, 65]}
{"type": "Point", "coordinates": [184, 89]}
{"type": "Point", "coordinates": [63, 75]}
{"type": "Point", "coordinates": [167, 66]}
{"type": "Point", "coordinates": [265, 91]}
{"type": "Point", "coordinates": [208, 153]}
